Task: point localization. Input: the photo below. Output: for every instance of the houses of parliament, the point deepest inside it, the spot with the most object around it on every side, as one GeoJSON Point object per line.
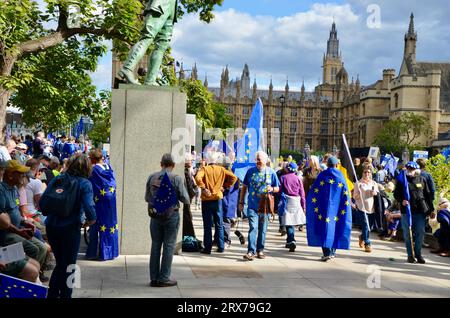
{"type": "Point", "coordinates": [339, 106]}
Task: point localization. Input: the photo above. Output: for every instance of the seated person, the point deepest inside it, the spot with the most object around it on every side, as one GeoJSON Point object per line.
{"type": "Point", "coordinates": [443, 233]}
{"type": "Point", "coordinates": [393, 217]}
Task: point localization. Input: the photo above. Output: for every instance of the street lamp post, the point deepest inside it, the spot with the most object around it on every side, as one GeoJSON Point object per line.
{"type": "Point", "coordinates": [282, 100]}
{"type": "Point", "coordinates": [334, 119]}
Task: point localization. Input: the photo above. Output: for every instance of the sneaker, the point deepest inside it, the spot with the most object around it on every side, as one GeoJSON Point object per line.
{"type": "Point", "coordinates": [411, 260]}
{"type": "Point", "coordinates": [325, 258]}
{"type": "Point", "coordinates": [292, 247]}
{"type": "Point", "coordinates": [287, 245]}
{"type": "Point", "coordinates": [261, 255]}
{"type": "Point", "coordinates": [249, 256]}
{"type": "Point", "coordinates": [154, 283]}
{"type": "Point", "coordinates": [168, 283]}
{"type": "Point", "coordinates": [220, 250]}
{"type": "Point", "coordinates": [420, 259]}
{"type": "Point", "coordinates": [283, 233]}
{"type": "Point", "coordinates": [203, 251]}
{"type": "Point", "coordinates": [368, 249]}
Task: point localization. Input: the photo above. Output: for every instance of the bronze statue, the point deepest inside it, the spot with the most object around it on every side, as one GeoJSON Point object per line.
{"type": "Point", "coordinates": [159, 18]}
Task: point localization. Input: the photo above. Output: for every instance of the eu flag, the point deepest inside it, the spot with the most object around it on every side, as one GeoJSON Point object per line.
{"type": "Point", "coordinates": [391, 165]}
{"type": "Point", "coordinates": [79, 128]}
{"type": "Point", "coordinates": [104, 233]}
{"type": "Point", "coordinates": [328, 211]}
{"type": "Point", "coordinates": [250, 143]}
{"type": "Point", "coordinates": [11, 287]}
{"type": "Point", "coordinates": [165, 196]}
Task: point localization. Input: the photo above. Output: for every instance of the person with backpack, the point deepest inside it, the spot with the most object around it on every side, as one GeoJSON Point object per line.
{"type": "Point", "coordinates": [63, 202]}
{"type": "Point", "coordinates": [165, 219]}
{"type": "Point", "coordinates": [104, 234]}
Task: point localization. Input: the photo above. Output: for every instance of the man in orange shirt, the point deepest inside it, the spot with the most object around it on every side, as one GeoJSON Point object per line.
{"type": "Point", "coordinates": [212, 180]}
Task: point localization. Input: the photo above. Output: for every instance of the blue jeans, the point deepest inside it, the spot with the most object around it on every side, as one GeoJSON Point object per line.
{"type": "Point", "coordinates": [163, 232]}
{"type": "Point", "coordinates": [212, 210]}
{"type": "Point", "coordinates": [364, 228]}
{"type": "Point", "coordinates": [290, 229]}
{"type": "Point", "coordinates": [328, 251]}
{"type": "Point", "coordinates": [65, 243]}
{"type": "Point", "coordinates": [257, 232]}
{"type": "Point", "coordinates": [418, 231]}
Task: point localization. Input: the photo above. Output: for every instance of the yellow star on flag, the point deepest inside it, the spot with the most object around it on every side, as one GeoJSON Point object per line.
{"type": "Point", "coordinates": [340, 185]}
{"type": "Point", "coordinates": [320, 216]}
{"type": "Point", "coordinates": [316, 190]}
{"type": "Point", "coordinates": [111, 189]}
{"type": "Point", "coordinates": [117, 226]}
{"type": "Point", "coordinates": [249, 144]}
{"type": "Point", "coordinates": [112, 230]}
{"type": "Point", "coordinates": [314, 200]}
{"type": "Point", "coordinates": [102, 192]}
{"type": "Point", "coordinates": [241, 160]}
{"type": "Point", "coordinates": [345, 192]}
{"type": "Point", "coordinates": [322, 183]}
{"type": "Point", "coordinates": [331, 181]}
{"type": "Point", "coordinates": [346, 203]}
{"type": "Point", "coordinates": [247, 151]}
{"type": "Point", "coordinates": [316, 210]}
{"type": "Point", "coordinates": [103, 228]}
{"type": "Point", "coordinates": [249, 135]}
{"type": "Point", "coordinates": [246, 130]}
{"type": "Point", "coordinates": [96, 199]}
{"type": "Point", "coordinates": [343, 212]}
{"type": "Point", "coordinates": [336, 218]}
{"type": "Point", "coordinates": [327, 220]}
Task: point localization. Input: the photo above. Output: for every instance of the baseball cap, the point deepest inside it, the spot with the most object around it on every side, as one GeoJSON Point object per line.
{"type": "Point", "coordinates": [14, 165]}
{"type": "Point", "coordinates": [22, 146]}
{"type": "Point", "coordinates": [332, 161]}
{"type": "Point", "coordinates": [412, 165]}
{"type": "Point", "coordinates": [292, 166]}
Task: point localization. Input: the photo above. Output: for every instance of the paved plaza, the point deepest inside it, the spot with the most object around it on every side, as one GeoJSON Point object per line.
{"type": "Point", "coordinates": [281, 274]}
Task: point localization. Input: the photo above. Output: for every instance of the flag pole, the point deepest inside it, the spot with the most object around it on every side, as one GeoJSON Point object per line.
{"type": "Point", "coordinates": [347, 150]}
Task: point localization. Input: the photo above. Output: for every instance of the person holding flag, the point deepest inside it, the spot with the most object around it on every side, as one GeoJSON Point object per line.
{"type": "Point", "coordinates": [163, 192]}
{"type": "Point", "coordinates": [328, 211]}
{"type": "Point", "coordinates": [416, 202]}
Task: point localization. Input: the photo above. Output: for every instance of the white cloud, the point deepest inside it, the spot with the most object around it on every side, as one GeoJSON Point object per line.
{"type": "Point", "coordinates": [293, 46]}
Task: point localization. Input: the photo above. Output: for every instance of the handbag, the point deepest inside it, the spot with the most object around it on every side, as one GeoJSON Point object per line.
{"type": "Point", "coordinates": [267, 205]}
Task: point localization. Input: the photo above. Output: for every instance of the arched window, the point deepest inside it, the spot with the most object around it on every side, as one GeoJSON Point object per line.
{"type": "Point", "coordinates": [396, 100]}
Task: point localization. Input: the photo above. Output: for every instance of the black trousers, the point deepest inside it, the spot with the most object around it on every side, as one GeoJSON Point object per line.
{"type": "Point", "coordinates": [188, 226]}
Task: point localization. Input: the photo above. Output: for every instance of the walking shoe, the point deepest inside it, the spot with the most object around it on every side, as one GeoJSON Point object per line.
{"type": "Point", "coordinates": [153, 283]}
{"type": "Point", "coordinates": [300, 228]}
{"type": "Point", "coordinates": [420, 259]}
{"type": "Point", "coordinates": [283, 233]}
{"type": "Point", "coordinates": [168, 283]}
{"type": "Point", "coordinates": [411, 260]}
{"type": "Point", "coordinates": [361, 242]}
{"type": "Point", "coordinates": [261, 255]}
{"type": "Point", "coordinates": [325, 258]}
{"type": "Point", "coordinates": [368, 249]}
{"type": "Point", "coordinates": [219, 250]}
{"type": "Point", "coordinates": [287, 245]}
{"type": "Point", "coordinates": [292, 247]}
{"type": "Point", "coordinates": [203, 251]}
{"type": "Point", "coordinates": [249, 256]}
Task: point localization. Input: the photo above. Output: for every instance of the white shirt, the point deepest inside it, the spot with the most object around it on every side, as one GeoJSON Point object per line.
{"type": "Point", "coordinates": [4, 155]}
{"type": "Point", "coordinates": [33, 188]}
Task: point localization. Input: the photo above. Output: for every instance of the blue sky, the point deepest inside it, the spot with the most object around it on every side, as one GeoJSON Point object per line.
{"type": "Point", "coordinates": [282, 39]}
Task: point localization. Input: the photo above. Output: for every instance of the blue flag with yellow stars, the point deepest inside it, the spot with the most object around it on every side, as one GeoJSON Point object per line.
{"type": "Point", "coordinates": [12, 287]}
{"type": "Point", "coordinates": [328, 211]}
{"type": "Point", "coordinates": [166, 196]}
{"type": "Point", "coordinates": [250, 143]}
{"type": "Point", "coordinates": [104, 233]}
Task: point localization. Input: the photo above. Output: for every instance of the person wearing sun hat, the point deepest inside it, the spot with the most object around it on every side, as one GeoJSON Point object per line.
{"type": "Point", "coordinates": [293, 203]}
{"type": "Point", "coordinates": [421, 205]}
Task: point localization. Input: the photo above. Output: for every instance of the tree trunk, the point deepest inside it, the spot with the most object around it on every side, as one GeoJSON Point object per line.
{"type": "Point", "coordinates": [4, 98]}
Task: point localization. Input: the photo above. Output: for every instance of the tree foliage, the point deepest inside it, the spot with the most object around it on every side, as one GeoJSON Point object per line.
{"type": "Point", "coordinates": [439, 168]}
{"type": "Point", "coordinates": [200, 102]}
{"type": "Point", "coordinates": [46, 54]}
{"type": "Point", "coordinates": [404, 132]}
{"type": "Point", "coordinates": [100, 133]}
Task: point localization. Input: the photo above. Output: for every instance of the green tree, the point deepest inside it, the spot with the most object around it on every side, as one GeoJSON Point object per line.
{"type": "Point", "coordinates": [439, 168]}
{"type": "Point", "coordinates": [200, 102]}
{"type": "Point", "coordinates": [33, 46]}
{"type": "Point", "coordinates": [100, 133]}
{"type": "Point", "coordinates": [404, 132]}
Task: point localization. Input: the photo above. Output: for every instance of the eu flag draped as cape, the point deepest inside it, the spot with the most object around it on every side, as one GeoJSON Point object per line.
{"type": "Point", "coordinates": [12, 287]}
{"type": "Point", "coordinates": [328, 211]}
{"type": "Point", "coordinates": [104, 186]}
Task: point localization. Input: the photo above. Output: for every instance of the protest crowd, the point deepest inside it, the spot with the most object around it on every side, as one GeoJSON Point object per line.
{"type": "Point", "coordinates": [318, 195]}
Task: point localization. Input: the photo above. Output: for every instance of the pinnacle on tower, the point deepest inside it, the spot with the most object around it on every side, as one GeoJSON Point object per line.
{"type": "Point", "coordinates": [205, 83]}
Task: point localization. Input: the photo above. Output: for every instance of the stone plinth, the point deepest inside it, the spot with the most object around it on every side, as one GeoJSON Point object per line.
{"type": "Point", "coordinates": [142, 123]}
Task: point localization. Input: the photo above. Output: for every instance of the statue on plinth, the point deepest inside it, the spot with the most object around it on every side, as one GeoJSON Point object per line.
{"type": "Point", "coordinates": [159, 18]}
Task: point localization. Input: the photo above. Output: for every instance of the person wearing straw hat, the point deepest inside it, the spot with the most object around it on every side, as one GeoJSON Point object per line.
{"type": "Point", "coordinates": [416, 202]}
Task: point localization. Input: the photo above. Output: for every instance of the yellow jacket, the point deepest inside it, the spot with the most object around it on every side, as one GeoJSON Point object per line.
{"type": "Point", "coordinates": [214, 178]}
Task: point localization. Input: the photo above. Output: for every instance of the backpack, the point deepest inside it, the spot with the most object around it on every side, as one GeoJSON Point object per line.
{"type": "Point", "coordinates": [61, 197]}
{"type": "Point", "coordinates": [190, 244]}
